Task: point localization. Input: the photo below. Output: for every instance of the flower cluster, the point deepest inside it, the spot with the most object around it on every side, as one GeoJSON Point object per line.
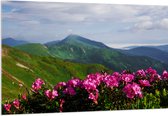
{"type": "Point", "coordinates": [165, 75]}
{"type": "Point", "coordinates": [37, 84]}
{"type": "Point", "coordinates": [91, 90]}
{"type": "Point", "coordinates": [51, 94]}
{"type": "Point", "coordinates": [132, 90]}
{"type": "Point", "coordinates": [15, 103]}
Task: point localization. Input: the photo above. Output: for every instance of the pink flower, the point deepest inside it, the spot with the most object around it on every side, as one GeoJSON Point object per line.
{"type": "Point", "coordinates": [152, 73]}
{"type": "Point", "coordinates": [60, 85]}
{"type": "Point", "coordinates": [24, 97]}
{"type": "Point", "coordinates": [70, 91]}
{"type": "Point", "coordinates": [111, 81]}
{"type": "Point", "coordinates": [165, 75]}
{"type": "Point", "coordinates": [89, 85]}
{"type": "Point", "coordinates": [127, 77]}
{"type": "Point", "coordinates": [141, 73]}
{"type": "Point", "coordinates": [137, 89]}
{"type": "Point", "coordinates": [116, 74]}
{"type": "Point", "coordinates": [132, 89]}
{"type": "Point", "coordinates": [16, 103]}
{"type": "Point", "coordinates": [51, 94]}
{"type": "Point", "coordinates": [144, 83]}
{"type": "Point", "coordinates": [7, 107]}
{"type": "Point", "coordinates": [93, 96]}
{"type": "Point", "coordinates": [39, 81]}
{"type": "Point", "coordinates": [95, 78]}
{"type": "Point", "coordinates": [129, 91]}
{"type": "Point", "coordinates": [74, 82]}
{"type": "Point", "coordinates": [37, 84]}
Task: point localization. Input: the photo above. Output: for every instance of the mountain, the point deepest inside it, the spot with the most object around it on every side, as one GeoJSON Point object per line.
{"type": "Point", "coordinates": [150, 52]}
{"type": "Point", "coordinates": [129, 47]}
{"type": "Point", "coordinates": [21, 67]}
{"type": "Point", "coordinates": [75, 48]}
{"type": "Point", "coordinates": [75, 40]}
{"type": "Point", "coordinates": [13, 42]}
{"type": "Point", "coordinates": [79, 49]}
{"type": "Point", "coordinates": [34, 49]}
{"type": "Point", "coordinates": [162, 47]}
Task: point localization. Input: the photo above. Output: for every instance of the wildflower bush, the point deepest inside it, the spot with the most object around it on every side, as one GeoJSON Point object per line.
{"type": "Point", "coordinates": [144, 89]}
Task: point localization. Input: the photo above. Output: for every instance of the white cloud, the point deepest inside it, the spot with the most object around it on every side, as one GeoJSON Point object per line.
{"type": "Point", "coordinates": [164, 23]}
{"type": "Point", "coordinates": [46, 20]}
{"type": "Point", "coordinates": [145, 25]}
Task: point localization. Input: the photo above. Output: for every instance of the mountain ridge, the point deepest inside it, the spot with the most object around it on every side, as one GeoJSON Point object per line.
{"type": "Point", "coordinates": [152, 52]}
{"type": "Point", "coordinates": [13, 42]}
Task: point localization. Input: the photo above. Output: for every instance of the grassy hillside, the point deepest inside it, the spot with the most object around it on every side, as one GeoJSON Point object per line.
{"type": "Point", "coordinates": [34, 49]}
{"type": "Point", "coordinates": [20, 67]}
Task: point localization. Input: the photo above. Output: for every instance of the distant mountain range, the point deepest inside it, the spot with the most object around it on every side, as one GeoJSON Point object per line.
{"type": "Point", "coordinates": [82, 50]}
{"type": "Point", "coordinates": [152, 52]}
{"type": "Point", "coordinates": [160, 47]}
{"type": "Point", "coordinates": [13, 42]}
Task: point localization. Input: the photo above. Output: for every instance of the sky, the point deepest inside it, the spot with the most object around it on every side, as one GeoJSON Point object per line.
{"type": "Point", "coordinates": [114, 25]}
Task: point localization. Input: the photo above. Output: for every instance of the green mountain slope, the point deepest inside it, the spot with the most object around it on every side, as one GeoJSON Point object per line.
{"type": "Point", "coordinates": [34, 49]}
{"type": "Point", "coordinates": [79, 49]}
{"type": "Point", "coordinates": [20, 67]}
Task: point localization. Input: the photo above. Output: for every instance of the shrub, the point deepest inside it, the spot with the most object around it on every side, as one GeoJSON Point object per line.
{"type": "Point", "coordinates": [144, 89]}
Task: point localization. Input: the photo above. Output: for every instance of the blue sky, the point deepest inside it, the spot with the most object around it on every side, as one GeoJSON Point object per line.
{"type": "Point", "coordinates": [114, 25]}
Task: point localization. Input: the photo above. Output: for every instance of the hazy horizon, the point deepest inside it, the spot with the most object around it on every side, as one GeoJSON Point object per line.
{"type": "Point", "coordinates": [114, 25]}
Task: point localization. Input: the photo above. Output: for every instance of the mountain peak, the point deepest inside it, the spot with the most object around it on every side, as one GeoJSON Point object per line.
{"type": "Point", "coordinates": [77, 39]}
{"type": "Point", "coordinates": [74, 37]}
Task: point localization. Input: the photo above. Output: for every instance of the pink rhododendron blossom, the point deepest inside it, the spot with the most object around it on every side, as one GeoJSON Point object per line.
{"type": "Point", "coordinates": [7, 107]}
{"type": "Point", "coordinates": [95, 78]}
{"type": "Point", "coordinates": [51, 94]}
{"type": "Point", "coordinates": [116, 74]}
{"type": "Point", "coordinates": [124, 72]}
{"type": "Point", "coordinates": [16, 103]}
{"type": "Point", "coordinates": [151, 73]}
{"type": "Point", "coordinates": [60, 85]}
{"type": "Point", "coordinates": [37, 84]}
{"type": "Point", "coordinates": [70, 91]}
{"type": "Point", "coordinates": [111, 81]}
{"type": "Point", "coordinates": [93, 96]}
{"type": "Point", "coordinates": [165, 75]}
{"type": "Point", "coordinates": [136, 88]}
{"type": "Point", "coordinates": [158, 77]}
{"type": "Point", "coordinates": [129, 91]}
{"type": "Point", "coordinates": [127, 77]}
{"type": "Point", "coordinates": [89, 85]}
{"type": "Point", "coordinates": [24, 97]}
{"type": "Point", "coordinates": [74, 82]}
{"type": "Point", "coordinates": [140, 73]}
{"type": "Point", "coordinates": [39, 81]}
{"type": "Point", "coordinates": [144, 83]}
{"type": "Point", "coordinates": [132, 89]}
